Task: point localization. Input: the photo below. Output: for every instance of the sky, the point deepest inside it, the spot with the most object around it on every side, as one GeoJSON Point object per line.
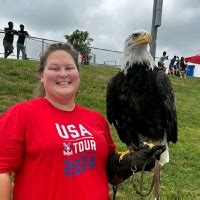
{"type": "Point", "coordinates": [109, 22]}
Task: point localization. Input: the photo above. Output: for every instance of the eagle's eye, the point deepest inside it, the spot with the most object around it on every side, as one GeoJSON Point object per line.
{"type": "Point", "coordinates": [135, 35]}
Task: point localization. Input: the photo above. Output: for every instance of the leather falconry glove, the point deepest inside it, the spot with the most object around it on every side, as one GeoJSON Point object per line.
{"type": "Point", "coordinates": [120, 169]}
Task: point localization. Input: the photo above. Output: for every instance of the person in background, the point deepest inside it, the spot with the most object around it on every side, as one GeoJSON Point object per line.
{"type": "Point", "coordinates": [8, 39]}
{"type": "Point", "coordinates": [161, 64]}
{"type": "Point", "coordinates": [182, 68]}
{"type": "Point", "coordinates": [57, 148]}
{"type": "Point", "coordinates": [22, 34]}
{"type": "Point", "coordinates": [172, 66]}
{"type": "Point", "coordinates": [176, 66]}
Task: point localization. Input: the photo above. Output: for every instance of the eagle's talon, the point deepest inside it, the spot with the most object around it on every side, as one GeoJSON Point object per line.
{"type": "Point", "coordinates": [122, 154]}
{"type": "Point", "coordinates": [148, 145]}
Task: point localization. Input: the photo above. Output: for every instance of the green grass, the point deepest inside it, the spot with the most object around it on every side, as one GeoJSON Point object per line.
{"type": "Point", "coordinates": [180, 179]}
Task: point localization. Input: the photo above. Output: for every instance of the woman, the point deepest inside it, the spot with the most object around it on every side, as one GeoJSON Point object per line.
{"type": "Point", "coordinates": [57, 148]}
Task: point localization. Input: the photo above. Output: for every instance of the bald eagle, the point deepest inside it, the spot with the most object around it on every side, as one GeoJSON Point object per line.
{"type": "Point", "coordinates": [140, 100]}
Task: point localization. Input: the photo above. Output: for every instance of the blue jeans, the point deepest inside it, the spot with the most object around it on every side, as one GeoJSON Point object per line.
{"type": "Point", "coordinates": [8, 48]}
{"type": "Point", "coordinates": [22, 48]}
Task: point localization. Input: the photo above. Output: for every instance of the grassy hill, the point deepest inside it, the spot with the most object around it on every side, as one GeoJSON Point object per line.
{"type": "Point", "coordinates": [180, 179]}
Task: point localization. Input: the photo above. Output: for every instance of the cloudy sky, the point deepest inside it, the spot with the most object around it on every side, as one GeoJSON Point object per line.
{"type": "Point", "coordinates": [109, 22]}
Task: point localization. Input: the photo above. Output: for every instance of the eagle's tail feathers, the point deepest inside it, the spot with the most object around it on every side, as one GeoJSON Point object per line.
{"type": "Point", "coordinates": [164, 157]}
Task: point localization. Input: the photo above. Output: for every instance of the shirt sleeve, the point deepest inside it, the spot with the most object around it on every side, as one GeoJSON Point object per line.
{"type": "Point", "coordinates": [111, 144]}
{"type": "Point", "coordinates": [12, 138]}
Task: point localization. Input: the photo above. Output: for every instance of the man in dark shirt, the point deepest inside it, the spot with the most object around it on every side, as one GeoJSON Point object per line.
{"type": "Point", "coordinates": [172, 66]}
{"type": "Point", "coordinates": [182, 68]}
{"type": "Point", "coordinates": [8, 39]}
{"type": "Point", "coordinates": [20, 42]}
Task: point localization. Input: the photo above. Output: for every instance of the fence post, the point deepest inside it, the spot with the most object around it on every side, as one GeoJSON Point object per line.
{"type": "Point", "coordinates": [42, 46]}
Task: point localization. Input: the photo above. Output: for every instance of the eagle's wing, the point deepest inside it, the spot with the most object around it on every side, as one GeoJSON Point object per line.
{"type": "Point", "coordinates": [110, 101]}
{"type": "Point", "coordinates": [114, 108]}
{"type": "Point", "coordinates": [167, 97]}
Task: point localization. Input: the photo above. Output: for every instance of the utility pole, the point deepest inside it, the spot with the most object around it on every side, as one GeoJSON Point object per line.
{"type": "Point", "coordinates": [156, 22]}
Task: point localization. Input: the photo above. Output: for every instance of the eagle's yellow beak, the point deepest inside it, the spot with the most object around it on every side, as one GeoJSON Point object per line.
{"type": "Point", "coordinates": [144, 38]}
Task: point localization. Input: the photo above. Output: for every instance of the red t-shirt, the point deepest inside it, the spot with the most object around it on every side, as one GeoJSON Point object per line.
{"type": "Point", "coordinates": [55, 154]}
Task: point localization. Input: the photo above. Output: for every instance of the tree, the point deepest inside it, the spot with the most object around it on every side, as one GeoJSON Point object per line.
{"type": "Point", "coordinates": [80, 40]}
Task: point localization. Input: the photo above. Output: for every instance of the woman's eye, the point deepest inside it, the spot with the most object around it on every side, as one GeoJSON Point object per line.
{"type": "Point", "coordinates": [69, 68]}
{"type": "Point", "coordinates": [54, 68]}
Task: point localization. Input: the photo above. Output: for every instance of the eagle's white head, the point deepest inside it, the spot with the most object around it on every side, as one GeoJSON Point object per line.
{"type": "Point", "coordinates": [135, 50]}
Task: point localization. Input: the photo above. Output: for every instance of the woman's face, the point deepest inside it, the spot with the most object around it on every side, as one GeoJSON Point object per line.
{"type": "Point", "coordinates": [60, 77]}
